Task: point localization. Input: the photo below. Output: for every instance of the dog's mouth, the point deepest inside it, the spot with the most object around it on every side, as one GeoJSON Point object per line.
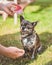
{"type": "Point", "coordinates": [26, 31]}
{"type": "Point", "coordinates": [24, 34]}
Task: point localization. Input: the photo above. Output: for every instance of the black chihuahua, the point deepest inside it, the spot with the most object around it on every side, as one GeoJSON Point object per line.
{"type": "Point", "coordinates": [29, 38]}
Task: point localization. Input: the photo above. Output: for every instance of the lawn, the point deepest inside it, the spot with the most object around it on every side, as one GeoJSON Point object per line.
{"type": "Point", "coordinates": [40, 10]}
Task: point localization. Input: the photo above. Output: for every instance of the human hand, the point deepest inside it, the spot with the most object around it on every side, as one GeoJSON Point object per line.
{"type": "Point", "coordinates": [14, 52]}
{"type": "Point", "coordinates": [7, 8]}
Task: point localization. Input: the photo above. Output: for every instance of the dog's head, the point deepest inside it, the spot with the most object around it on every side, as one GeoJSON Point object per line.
{"type": "Point", "coordinates": [26, 26]}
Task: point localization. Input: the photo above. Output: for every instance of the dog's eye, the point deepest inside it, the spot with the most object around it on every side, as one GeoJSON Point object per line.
{"type": "Point", "coordinates": [29, 27]}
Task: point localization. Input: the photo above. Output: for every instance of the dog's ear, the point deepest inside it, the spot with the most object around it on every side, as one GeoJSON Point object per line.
{"type": "Point", "coordinates": [34, 23]}
{"type": "Point", "coordinates": [21, 18]}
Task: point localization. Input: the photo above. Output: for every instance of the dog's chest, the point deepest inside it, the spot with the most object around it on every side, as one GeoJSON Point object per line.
{"type": "Point", "coordinates": [29, 41]}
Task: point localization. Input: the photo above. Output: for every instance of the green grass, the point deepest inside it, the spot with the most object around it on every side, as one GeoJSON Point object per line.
{"type": "Point", "coordinates": [41, 10]}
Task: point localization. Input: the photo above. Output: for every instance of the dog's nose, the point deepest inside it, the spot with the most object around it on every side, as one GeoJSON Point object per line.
{"type": "Point", "coordinates": [23, 28]}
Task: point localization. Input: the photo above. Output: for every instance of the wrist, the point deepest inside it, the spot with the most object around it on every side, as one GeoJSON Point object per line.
{"type": "Point", "coordinates": [2, 49]}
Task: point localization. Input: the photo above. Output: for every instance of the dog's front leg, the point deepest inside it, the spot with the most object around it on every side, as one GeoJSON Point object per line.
{"type": "Point", "coordinates": [33, 54]}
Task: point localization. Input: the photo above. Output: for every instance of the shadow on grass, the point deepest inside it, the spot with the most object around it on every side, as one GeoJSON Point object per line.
{"type": "Point", "coordinates": [42, 4]}
{"type": "Point", "coordinates": [46, 40]}
{"type": "Point", "coordinates": [49, 63]}
{"type": "Point", "coordinates": [14, 40]}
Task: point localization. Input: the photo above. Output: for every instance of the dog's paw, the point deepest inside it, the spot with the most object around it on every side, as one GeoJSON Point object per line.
{"type": "Point", "coordinates": [32, 57]}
